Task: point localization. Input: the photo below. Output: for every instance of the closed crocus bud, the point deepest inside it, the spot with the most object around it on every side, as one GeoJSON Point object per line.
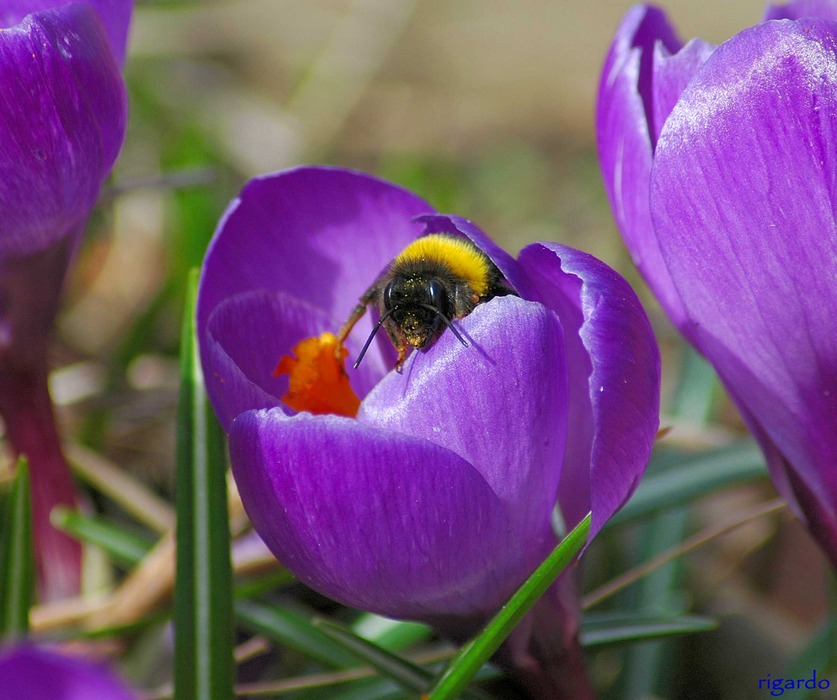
{"type": "Point", "coordinates": [63, 123]}
{"type": "Point", "coordinates": [29, 672]}
{"type": "Point", "coordinates": [719, 164]}
{"type": "Point", "coordinates": [425, 493]}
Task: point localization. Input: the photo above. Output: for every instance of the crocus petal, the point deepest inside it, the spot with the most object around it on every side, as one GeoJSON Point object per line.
{"type": "Point", "coordinates": [373, 518]}
{"type": "Point", "coordinates": [33, 672]}
{"type": "Point", "coordinates": [742, 204]}
{"type": "Point", "coordinates": [322, 235]}
{"type": "Point", "coordinates": [468, 399]}
{"type": "Point", "coordinates": [62, 127]}
{"type": "Point", "coordinates": [245, 337]}
{"type": "Point", "coordinates": [63, 124]}
{"type": "Point", "coordinates": [115, 16]}
{"type": "Point", "coordinates": [625, 136]}
{"type": "Point", "coordinates": [672, 73]}
{"type": "Point", "coordinates": [824, 9]}
{"type": "Point", "coordinates": [613, 393]}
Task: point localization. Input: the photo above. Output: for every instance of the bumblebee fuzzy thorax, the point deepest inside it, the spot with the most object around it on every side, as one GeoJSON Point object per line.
{"type": "Point", "coordinates": [435, 280]}
{"type": "Point", "coordinates": [457, 257]}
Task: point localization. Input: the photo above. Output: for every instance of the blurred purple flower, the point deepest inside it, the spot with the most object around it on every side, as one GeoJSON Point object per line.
{"type": "Point", "coordinates": [720, 167]}
{"type": "Point", "coordinates": [63, 124]}
{"type": "Point", "coordinates": [434, 503]}
{"type": "Point", "coordinates": [28, 671]}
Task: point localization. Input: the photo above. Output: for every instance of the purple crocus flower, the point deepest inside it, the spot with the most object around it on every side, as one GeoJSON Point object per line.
{"type": "Point", "coordinates": [720, 168]}
{"type": "Point", "coordinates": [63, 123]}
{"type": "Point", "coordinates": [434, 502]}
{"type": "Point", "coordinates": [28, 671]}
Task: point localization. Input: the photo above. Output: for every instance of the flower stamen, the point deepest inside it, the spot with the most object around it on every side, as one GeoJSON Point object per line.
{"type": "Point", "coordinates": [318, 379]}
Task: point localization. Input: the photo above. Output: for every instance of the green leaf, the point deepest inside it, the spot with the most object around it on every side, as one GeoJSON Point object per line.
{"type": "Point", "coordinates": [17, 560]}
{"type": "Point", "coordinates": [132, 342]}
{"type": "Point", "coordinates": [254, 586]}
{"type": "Point", "coordinates": [476, 652]}
{"type": "Point", "coordinates": [412, 678]}
{"type": "Point", "coordinates": [607, 629]}
{"type": "Point", "coordinates": [293, 630]}
{"type": "Point", "coordinates": [692, 477]}
{"type": "Point", "coordinates": [203, 611]}
{"type": "Point", "coordinates": [696, 390]}
{"type": "Point", "coordinates": [124, 547]}
{"type": "Point", "coordinates": [646, 668]}
{"type": "Point", "coordinates": [390, 634]}
{"type": "Point", "coordinates": [382, 688]}
{"type": "Point", "coordinates": [409, 676]}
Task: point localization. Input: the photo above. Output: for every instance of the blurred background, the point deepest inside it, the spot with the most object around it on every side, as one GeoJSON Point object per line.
{"type": "Point", "coordinates": [486, 109]}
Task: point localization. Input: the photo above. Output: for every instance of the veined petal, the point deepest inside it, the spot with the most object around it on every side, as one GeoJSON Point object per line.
{"type": "Point", "coordinates": [743, 204]}
{"type": "Point", "coordinates": [627, 84]}
{"type": "Point", "coordinates": [115, 16]}
{"type": "Point", "coordinates": [614, 379]}
{"type": "Point", "coordinates": [322, 235]}
{"type": "Point", "coordinates": [500, 404]}
{"type": "Point", "coordinates": [823, 9]}
{"type": "Point", "coordinates": [373, 518]}
{"type": "Point", "coordinates": [672, 73]}
{"type": "Point", "coordinates": [626, 129]}
{"type": "Point", "coordinates": [62, 126]}
{"type": "Point", "coordinates": [28, 671]}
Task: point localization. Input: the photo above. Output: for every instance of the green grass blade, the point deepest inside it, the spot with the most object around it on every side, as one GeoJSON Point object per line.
{"type": "Point", "coordinates": [294, 630]}
{"type": "Point", "coordinates": [697, 389]}
{"type": "Point", "coordinates": [203, 612]}
{"type": "Point", "coordinates": [693, 477]}
{"type": "Point", "coordinates": [390, 634]}
{"type": "Point", "coordinates": [476, 652]}
{"type": "Point", "coordinates": [409, 676]}
{"type": "Point", "coordinates": [677, 478]}
{"type": "Point", "coordinates": [254, 586]}
{"type": "Point", "coordinates": [647, 669]}
{"type": "Point", "coordinates": [608, 629]}
{"type": "Point", "coordinates": [17, 559]}
{"type": "Point", "coordinates": [124, 547]}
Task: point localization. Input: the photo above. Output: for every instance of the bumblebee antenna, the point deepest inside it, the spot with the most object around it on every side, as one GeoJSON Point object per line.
{"type": "Point", "coordinates": [372, 335]}
{"type": "Point", "coordinates": [447, 322]}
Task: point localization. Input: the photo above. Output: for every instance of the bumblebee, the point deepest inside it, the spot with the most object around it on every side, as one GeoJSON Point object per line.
{"type": "Point", "coordinates": [434, 281]}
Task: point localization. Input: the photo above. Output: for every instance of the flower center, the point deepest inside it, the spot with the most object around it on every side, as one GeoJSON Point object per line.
{"type": "Point", "coordinates": [318, 379]}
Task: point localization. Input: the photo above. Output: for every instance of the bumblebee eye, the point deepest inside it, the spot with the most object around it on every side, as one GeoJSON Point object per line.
{"type": "Point", "coordinates": [389, 301]}
{"type": "Point", "coordinates": [438, 295]}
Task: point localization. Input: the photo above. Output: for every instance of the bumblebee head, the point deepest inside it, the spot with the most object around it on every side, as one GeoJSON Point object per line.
{"type": "Point", "coordinates": [418, 307]}
{"type": "Point", "coordinates": [415, 310]}
{"type": "Point", "coordinates": [436, 279]}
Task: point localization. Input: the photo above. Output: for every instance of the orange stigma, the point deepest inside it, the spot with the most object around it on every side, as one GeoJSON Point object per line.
{"type": "Point", "coordinates": [318, 379]}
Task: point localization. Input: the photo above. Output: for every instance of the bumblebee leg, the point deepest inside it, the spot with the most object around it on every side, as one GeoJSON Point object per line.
{"type": "Point", "coordinates": [355, 316]}
{"type": "Point", "coordinates": [346, 328]}
{"type": "Point", "coordinates": [402, 357]}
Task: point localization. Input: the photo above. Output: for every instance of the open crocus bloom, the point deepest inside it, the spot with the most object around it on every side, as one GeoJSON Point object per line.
{"type": "Point", "coordinates": [28, 671]}
{"type": "Point", "coordinates": [434, 502]}
{"type": "Point", "coordinates": [63, 123]}
{"type": "Point", "coordinates": [720, 167]}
